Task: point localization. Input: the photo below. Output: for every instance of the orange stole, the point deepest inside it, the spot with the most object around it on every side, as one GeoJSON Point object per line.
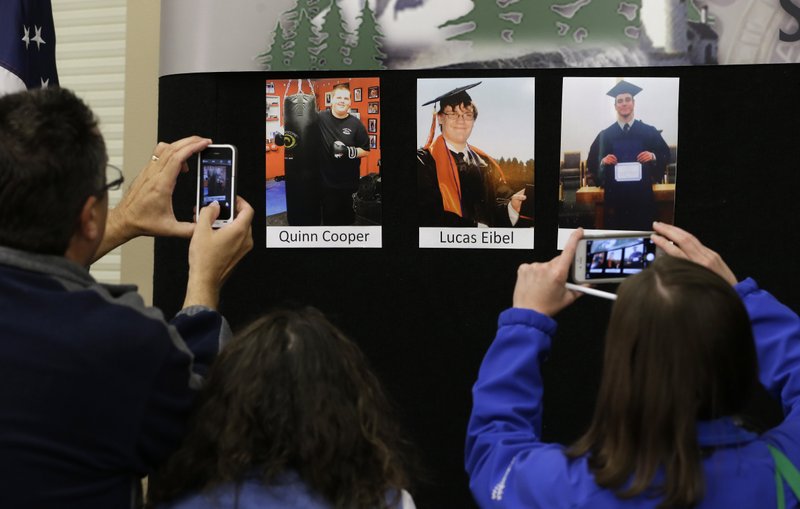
{"type": "Point", "coordinates": [447, 174]}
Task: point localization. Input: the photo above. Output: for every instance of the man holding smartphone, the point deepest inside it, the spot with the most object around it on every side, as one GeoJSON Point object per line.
{"type": "Point", "coordinates": [96, 385]}
{"type": "Point", "coordinates": [626, 159]}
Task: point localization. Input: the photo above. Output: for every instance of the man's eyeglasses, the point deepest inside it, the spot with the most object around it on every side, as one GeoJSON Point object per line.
{"type": "Point", "coordinates": [469, 116]}
{"type": "Point", "coordinates": [114, 179]}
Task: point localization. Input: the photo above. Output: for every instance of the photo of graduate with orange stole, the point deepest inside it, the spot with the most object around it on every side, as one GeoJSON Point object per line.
{"type": "Point", "coordinates": [459, 184]}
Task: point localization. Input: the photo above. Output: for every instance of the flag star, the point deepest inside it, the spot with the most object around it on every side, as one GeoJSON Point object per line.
{"type": "Point", "coordinates": [27, 37]}
{"type": "Point", "coordinates": [37, 38]}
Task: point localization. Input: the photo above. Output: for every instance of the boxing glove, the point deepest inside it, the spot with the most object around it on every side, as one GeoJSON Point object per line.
{"type": "Point", "coordinates": [341, 150]}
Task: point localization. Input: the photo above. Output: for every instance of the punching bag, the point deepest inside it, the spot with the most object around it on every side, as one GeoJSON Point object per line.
{"type": "Point", "coordinates": [301, 152]}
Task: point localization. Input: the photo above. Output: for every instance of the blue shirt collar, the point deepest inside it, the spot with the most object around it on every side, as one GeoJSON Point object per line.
{"type": "Point", "coordinates": [722, 432]}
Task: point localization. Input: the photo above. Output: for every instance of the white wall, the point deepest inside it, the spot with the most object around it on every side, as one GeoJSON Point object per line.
{"type": "Point", "coordinates": [141, 124]}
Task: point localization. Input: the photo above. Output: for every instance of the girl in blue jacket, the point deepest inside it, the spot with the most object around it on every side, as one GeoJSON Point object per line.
{"type": "Point", "coordinates": [685, 345]}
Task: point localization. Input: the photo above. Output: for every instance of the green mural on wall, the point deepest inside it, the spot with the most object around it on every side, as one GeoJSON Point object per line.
{"type": "Point", "coordinates": [298, 43]}
{"type": "Point", "coordinates": [350, 34]}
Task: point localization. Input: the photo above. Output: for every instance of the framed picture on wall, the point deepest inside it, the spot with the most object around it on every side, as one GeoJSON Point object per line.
{"type": "Point", "coordinates": [373, 108]}
{"type": "Point", "coordinates": [270, 88]}
{"type": "Point", "coordinates": [373, 141]}
{"type": "Point", "coordinates": [328, 96]}
{"type": "Point", "coordinates": [373, 92]}
{"type": "Point", "coordinates": [372, 125]}
{"type": "Point", "coordinates": [355, 113]}
{"type": "Point", "coordinates": [356, 95]}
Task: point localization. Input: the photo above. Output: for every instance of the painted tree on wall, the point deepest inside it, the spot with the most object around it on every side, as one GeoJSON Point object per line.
{"type": "Point", "coordinates": [576, 22]}
{"type": "Point", "coordinates": [280, 52]}
{"type": "Point", "coordinates": [489, 21]}
{"type": "Point", "coordinates": [303, 37]}
{"type": "Point", "coordinates": [299, 45]}
{"type": "Point", "coordinates": [283, 48]}
{"type": "Point", "coordinates": [312, 7]}
{"type": "Point", "coordinates": [367, 54]}
{"type": "Point", "coordinates": [336, 54]}
{"type": "Point", "coordinates": [549, 23]}
{"type": "Point", "coordinates": [317, 45]}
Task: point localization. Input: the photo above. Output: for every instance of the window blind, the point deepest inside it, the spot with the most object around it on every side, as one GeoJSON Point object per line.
{"type": "Point", "coordinates": [90, 55]}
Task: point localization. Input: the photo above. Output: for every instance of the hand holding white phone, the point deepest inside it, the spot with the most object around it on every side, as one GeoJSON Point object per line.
{"type": "Point", "coordinates": [216, 181]}
{"type": "Point", "coordinates": [610, 258]}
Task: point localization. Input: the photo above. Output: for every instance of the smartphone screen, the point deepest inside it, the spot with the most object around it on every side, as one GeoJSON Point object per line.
{"type": "Point", "coordinates": [614, 258]}
{"type": "Point", "coordinates": [216, 179]}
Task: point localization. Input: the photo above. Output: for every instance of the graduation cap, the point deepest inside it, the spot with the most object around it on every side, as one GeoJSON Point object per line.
{"type": "Point", "coordinates": [452, 98]}
{"type": "Point", "coordinates": [624, 87]}
{"type": "Point", "coordinates": [455, 96]}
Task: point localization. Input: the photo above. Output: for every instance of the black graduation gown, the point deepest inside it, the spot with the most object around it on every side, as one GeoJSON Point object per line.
{"type": "Point", "coordinates": [628, 205]}
{"type": "Point", "coordinates": [480, 201]}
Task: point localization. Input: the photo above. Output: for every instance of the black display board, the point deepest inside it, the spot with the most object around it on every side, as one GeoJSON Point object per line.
{"type": "Point", "coordinates": [425, 317]}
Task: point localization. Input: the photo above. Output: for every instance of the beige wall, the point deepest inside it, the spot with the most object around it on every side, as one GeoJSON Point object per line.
{"type": "Point", "coordinates": [141, 116]}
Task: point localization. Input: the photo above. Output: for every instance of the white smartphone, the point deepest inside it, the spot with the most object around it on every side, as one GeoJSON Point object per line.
{"type": "Point", "coordinates": [216, 181]}
{"type": "Point", "coordinates": [613, 257]}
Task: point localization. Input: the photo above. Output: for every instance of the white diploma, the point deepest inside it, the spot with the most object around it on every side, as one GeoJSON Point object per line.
{"type": "Point", "coordinates": [628, 172]}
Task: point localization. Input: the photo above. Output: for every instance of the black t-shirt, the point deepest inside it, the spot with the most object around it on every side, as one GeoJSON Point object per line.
{"type": "Point", "coordinates": [342, 173]}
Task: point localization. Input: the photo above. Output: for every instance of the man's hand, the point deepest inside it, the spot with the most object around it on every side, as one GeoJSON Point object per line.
{"type": "Point", "coordinates": [341, 150]}
{"type": "Point", "coordinates": [645, 157]}
{"type": "Point", "coordinates": [214, 253]}
{"type": "Point", "coordinates": [517, 199]}
{"type": "Point", "coordinates": [541, 286]}
{"type": "Point", "coordinates": [677, 242]}
{"type": "Point", "coordinates": [609, 160]}
{"type": "Point", "coordinates": [146, 207]}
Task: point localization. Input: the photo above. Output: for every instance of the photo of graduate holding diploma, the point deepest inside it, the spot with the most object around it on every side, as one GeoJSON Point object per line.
{"type": "Point", "coordinates": [626, 159]}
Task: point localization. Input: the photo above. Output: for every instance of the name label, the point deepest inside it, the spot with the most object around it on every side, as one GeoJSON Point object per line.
{"type": "Point", "coordinates": [476, 238]}
{"type": "Point", "coordinates": [323, 236]}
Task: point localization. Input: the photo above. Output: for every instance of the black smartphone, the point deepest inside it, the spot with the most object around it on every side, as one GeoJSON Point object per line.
{"type": "Point", "coordinates": [611, 258]}
{"type": "Point", "coordinates": [216, 181]}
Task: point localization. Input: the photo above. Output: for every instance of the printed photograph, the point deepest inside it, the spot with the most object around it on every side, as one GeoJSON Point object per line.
{"type": "Point", "coordinates": [322, 167]}
{"type": "Point", "coordinates": [619, 152]}
{"type": "Point", "coordinates": [475, 156]}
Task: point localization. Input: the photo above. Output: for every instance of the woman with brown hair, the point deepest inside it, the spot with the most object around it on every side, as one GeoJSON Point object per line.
{"type": "Point", "coordinates": [685, 346]}
{"type": "Point", "coordinates": [290, 417]}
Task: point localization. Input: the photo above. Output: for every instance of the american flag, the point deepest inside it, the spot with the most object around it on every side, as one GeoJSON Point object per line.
{"type": "Point", "coordinates": [27, 45]}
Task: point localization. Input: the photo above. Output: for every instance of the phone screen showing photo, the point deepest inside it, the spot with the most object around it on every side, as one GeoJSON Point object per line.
{"type": "Point", "coordinates": [216, 182]}
{"type": "Point", "coordinates": [618, 257]}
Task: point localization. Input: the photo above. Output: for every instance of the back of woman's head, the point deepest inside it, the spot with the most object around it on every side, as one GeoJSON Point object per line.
{"type": "Point", "coordinates": [291, 392]}
{"type": "Point", "coordinates": [679, 348]}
